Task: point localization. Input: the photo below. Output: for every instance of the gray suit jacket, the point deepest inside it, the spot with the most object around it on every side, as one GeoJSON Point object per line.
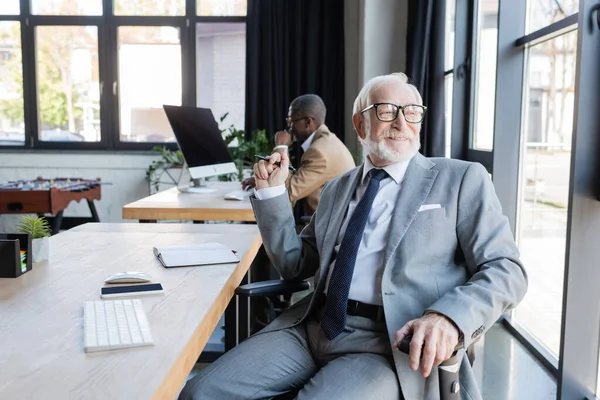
{"type": "Point", "coordinates": [459, 260]}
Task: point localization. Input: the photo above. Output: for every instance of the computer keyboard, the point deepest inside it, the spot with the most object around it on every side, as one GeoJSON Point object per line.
{"type": "Point", "coordinates": [115, 324]}
{"type": "Point", "coordinates": [238, 194]}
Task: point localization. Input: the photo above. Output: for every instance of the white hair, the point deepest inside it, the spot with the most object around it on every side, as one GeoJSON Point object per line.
{"type": "Point", "coordinates": [362, 100]}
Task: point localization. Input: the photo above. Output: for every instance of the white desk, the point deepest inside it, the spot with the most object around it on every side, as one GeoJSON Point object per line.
{"type": "Point", "coordinates": [41, 312]}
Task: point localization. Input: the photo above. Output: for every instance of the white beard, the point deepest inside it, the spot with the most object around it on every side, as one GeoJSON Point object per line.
{"type": "Point", "coordinates": [381, 151]}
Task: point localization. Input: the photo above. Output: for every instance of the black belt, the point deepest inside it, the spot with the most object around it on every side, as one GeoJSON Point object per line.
{"type": "Point", "coordinates": [365, 310]}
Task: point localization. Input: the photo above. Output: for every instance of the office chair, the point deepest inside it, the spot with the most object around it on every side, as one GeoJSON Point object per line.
{"type": "Point", "coordinates": [279, 293]}
{"type": "Point", "coordinates": [448, 376]}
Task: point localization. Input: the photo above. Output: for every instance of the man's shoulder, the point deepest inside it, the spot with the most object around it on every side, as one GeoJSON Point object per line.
{"type": "Point", "coordinates": [442, 163]}
{"type": "Point", "coordinates": [345, 178]}
{"type": "Point", "coordinates": [328, 142]}
{"type": "Point", "coordinates": [324, 137]}
{"type": "Point", "coordinates": [456, 170]}
{"type": "Point", "coordinates": [328, 145]}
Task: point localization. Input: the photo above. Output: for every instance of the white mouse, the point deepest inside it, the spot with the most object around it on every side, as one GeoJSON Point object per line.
{"type": "Point", "coordinates": [128, 277]}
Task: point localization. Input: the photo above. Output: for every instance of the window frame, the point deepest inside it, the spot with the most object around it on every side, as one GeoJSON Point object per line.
{"type": "Point", "coordinates": [577, 368]}
{"type": "Point", "coordinates": [107, 25]}
{"type": "Point", "coordinates": [463, 98]}
{"type": "Point", "coordinates": [580, 342]}
{"type": "Point", "coordinates": [511, 77]}
{"type": "Point", "coordinates": [24, 63]}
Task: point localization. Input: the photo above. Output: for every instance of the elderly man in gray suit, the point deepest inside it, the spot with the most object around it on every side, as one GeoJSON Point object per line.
{"type": "Point", "coordinates": [400, 245]}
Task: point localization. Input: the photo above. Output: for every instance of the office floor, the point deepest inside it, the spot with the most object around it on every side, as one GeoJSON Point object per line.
{"type": "Point", "coordinates": [504, 369]}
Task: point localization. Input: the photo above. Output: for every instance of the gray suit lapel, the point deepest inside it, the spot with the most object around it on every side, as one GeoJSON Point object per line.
{"type": "Point", "coordinates": [346, 187]}
{"type": "Point", "coordinates": [416, 185]}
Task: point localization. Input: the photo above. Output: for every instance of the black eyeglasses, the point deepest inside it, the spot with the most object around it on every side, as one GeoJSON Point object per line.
{"type": "Point", "coordinates": [388, 112]}
{"type": "Point", "coordinates": [289, 121]}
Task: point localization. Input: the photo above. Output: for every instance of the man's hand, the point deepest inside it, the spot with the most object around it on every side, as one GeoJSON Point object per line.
{"type": "Point", "coordinates": [248, 183]}
{"type": "Point", "coordinates": [283, 138]}
{"type": "Point", "coordinates": [269, 175]}
{"type": "Point", "coordinates": [435, 335]}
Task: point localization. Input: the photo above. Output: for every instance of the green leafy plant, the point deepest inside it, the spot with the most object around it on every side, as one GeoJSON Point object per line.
{"type": "Point", "coordinates": [37, 227]}
{"type": "Point", "coordinates": [242, 149]}
{"type": "Point", "coordinates": [169, 159]}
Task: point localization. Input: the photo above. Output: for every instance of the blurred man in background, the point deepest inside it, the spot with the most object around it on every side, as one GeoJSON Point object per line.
{"type": "Point", "coordinates": [325, 156]}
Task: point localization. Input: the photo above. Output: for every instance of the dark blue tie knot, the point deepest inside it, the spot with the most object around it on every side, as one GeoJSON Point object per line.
{"type": "Point", "coordinates": [378, 174]}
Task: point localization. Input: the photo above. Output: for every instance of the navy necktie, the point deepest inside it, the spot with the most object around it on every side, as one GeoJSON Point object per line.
{"type": "Point", "coordinates": [334, 317]}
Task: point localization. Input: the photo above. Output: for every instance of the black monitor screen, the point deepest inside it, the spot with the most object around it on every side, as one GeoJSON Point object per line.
{"type": "Point", "coordinates": [198, 136]}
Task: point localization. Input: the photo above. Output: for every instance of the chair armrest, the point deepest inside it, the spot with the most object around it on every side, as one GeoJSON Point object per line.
{"type": "Point", "coordinates": [271, 288]}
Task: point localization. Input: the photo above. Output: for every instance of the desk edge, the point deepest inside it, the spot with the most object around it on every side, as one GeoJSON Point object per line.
{"type": "Point", "coordinates": [179, 372]}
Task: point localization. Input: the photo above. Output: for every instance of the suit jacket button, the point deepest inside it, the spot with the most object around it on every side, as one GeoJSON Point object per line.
{"type": "Point", "coordinates": [478, 332]}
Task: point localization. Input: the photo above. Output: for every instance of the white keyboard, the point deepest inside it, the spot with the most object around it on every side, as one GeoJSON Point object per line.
{"type": "Point", "coordinates": [238, 194]}
{"type": "Point", "coordinates": [115, 324]}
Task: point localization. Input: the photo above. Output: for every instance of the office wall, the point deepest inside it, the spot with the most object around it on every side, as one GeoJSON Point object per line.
{"type": "Point", "coordinates": [375, 44]}
{"type": "Point", "coordinates": [124, 172]}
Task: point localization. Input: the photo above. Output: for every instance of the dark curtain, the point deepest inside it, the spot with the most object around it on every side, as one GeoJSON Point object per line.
{"type": "Point", "coordinates": [294, 47]}
{"type": "Point", "coordinates": [425, 67]}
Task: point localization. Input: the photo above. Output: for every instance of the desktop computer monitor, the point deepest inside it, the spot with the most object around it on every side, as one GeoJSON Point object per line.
{"type": "Point", "coordinates": [200, 141]}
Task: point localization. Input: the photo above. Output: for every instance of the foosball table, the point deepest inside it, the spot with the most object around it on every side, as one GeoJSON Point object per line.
{"type": "Point", "coordinates": [50, 196]}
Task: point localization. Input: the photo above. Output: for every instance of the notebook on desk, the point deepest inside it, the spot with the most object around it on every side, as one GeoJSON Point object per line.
{"type": "Point", "coordinates": [194, 255]}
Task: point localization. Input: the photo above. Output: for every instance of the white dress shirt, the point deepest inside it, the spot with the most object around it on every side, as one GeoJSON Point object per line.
{"type": "Point", "coordinates": [368, 270]}
{"type": "Point", "coordinates": [308, 142]}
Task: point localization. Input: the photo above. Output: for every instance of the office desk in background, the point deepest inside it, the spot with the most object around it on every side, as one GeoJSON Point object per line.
{"type": "Point", "coordinates": [41, 327]}
{"type": "Point", "coordinates": [170, 204]}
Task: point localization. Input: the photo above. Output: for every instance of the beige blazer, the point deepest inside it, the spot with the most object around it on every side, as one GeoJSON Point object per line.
{"type": "Point", "coordinates": [325, 159]}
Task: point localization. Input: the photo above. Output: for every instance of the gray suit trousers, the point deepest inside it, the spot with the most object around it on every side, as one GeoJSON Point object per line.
{"type": "Point", "coordinates": [357, 364]}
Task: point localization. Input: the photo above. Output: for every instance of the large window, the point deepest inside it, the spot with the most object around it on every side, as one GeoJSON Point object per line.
{"type": "Point", "coordinates": [95, 74]}
{"type": "Point", "coordinates": [545, 166]}
{"type": "Point", "coordinates": [66, 7]}
{"type": "Point", "coordinates": [68, 83]}
{"type": "Point", "coordinates": [12, 121]}
{"type": "Point", "coordinates": [542, 13]}
{"type": "Point", "coordinates": [540, 89]}
{"type": "Point", "coordinates": [9, 7]}
{"type": "Point", "coordinates": [146, 53]}
{"type": "Point", "coordinates": [221, 7]}
{"type": "Point", "coordinates": [221, 70]}
{"type": "Point", "coordinates": [449, 71]}
{"type": "Point", "coordinates": [514, 110]}
{"type": "Point", "coordinates": [149, 7]}
{"type": "Point", "coordinates": [485, 75]}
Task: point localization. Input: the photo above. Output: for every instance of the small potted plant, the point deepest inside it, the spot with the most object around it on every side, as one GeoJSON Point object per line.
{"type": "Point", "coordinates": [39, 230]}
